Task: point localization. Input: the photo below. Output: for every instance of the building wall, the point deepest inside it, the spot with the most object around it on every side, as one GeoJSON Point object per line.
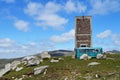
{"type": "Point", "coordinates": [83, 31]}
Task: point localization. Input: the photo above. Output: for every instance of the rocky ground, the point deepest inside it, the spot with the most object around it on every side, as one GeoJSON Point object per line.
{"type": "Point", "coordinates": [62, 68]}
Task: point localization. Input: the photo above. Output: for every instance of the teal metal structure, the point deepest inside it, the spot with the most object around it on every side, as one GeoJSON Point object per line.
{"type": "Point", "coordinates": [90, 51]}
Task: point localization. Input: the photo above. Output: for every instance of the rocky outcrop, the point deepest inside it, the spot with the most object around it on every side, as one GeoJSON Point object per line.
{"type": "Point", "coordinates": [53, 60]}
{"type": "Point", "coordinates": [9, 67]}
{"type": "Point", "coordinates": [45, 55]}
{"type": "Point", "coordinates": [40, 69]}
{"type": "Point", "coordinates": [33, 62]}
{"type": "Point", "coordinates": [5, 70]}
{"type": "Point", "coordinates": [27, 58]}
{"type": "Point", "coordinates": [14, 64]}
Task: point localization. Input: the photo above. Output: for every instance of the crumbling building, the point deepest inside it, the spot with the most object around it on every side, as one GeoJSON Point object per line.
{"type": "Point", "coordinates": [83, 31]}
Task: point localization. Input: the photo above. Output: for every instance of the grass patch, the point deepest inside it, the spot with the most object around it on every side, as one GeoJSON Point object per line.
{"type": "Point", "coordinates": [108, 69]}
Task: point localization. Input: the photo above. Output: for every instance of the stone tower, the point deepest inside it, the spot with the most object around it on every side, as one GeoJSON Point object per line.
{"type": "Point", "coordinates": [83, 31]}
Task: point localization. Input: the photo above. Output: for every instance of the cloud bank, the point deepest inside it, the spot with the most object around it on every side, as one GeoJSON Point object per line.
{"type": "Point", "coordinates": [64, 37]}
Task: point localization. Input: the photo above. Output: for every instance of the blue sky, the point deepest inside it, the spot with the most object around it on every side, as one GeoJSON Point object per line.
{"type": "Point", "coordinates": [31, 26]}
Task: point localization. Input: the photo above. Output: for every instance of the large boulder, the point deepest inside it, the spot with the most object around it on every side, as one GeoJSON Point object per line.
{"type": "Point", "coordinates": [101, 56]}
{"type": "Point", "coordinates": [5, 70]}
{"type": "Point", "coordinates": [33, 62]}
{"type": "Point", "coordinates": [14, 64]}
{"type": "Point", "coordinates": [27, 58]}
{"type": "Point", "coordinates": [40, 69]}
{"type": "Point", "coordinates": [84, 57]}
{"type": "Point", "coordinates": [45, 55]}
{"type": "Point", "coordinates": [9, 67]}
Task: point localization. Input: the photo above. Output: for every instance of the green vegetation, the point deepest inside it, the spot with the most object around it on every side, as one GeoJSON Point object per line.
{"type": "Point", "coordinates": [108, 69]}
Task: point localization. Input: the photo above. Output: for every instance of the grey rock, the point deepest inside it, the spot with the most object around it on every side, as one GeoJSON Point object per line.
{"type": "Point", "coordinates": [60, 58]}
{"type": "Point", "coordinates": [24, 76]}
{"type": "Point", "coordinates": [45, 72]}
{"type": "Point", "coordinates": [84, 57]}
{"type": "Point", "coordinates": [19, 68]}
{"type": "Point", "coordinates": [99, 56]}
{"type": "Point", "coordinates": [33, 62]}
{"type": "Point", "coordinates": [40, 69]}
{"type": "Point", "coordinates": [27, 58]}
{"type": "Point", "coordinates": [52, 60]}
{"type": "Point", "coordinates": [89, 57]}
{"type": "Point", "coordinates": [5, 70]}
{"type": "Point", "coordinates": [45, 55]}
{"type": "Point", "coordinates": [13, 77]}
{"type": "Point", "coordinates": [93, 63]}
{"type": "Point", "coordinates": [9, 67]}
{"type": "Point", "coordinates": [41, 60]}
{"type": "Point", "coordinates": [97, 76]}
{"type": "Point", "coordinates": [14, 64]}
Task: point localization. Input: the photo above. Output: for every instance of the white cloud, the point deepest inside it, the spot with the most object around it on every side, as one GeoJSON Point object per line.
{"type": "Point", "coordinates": [116, 39]}
{"type": "Point", "coordinates": [33, 8]}
{"type": "Point", "coordinates": [8, 1]}
{"type": "Point", "coordinates": [104, 6]}
{"type": "Point", "coordinates": [6, 42]}
{"type": "Point", "coordinates": [104, 34]}
{"type": "Point", "coordinates": [72, 6]}
{"type": "Point", "coordinates": [64, 37]}
{"type": "Point", "coordinates": [21, 25]}
{"type": "Point", "coordinates": [46, 15]}
{"type": "Point", "coordinates": [12, 48]}
{"type": "Point", "coordinates": [53, 20]}
{"type": "Point", "coordinates": [81, 8]}
{"type": "Point", "coordinates": [51, 7]}
{"type": "Point", "coordinates": [111, 40]}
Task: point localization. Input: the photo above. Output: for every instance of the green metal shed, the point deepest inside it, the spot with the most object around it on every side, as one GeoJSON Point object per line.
{"type": "Point", "coordinates": [90, 51]}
